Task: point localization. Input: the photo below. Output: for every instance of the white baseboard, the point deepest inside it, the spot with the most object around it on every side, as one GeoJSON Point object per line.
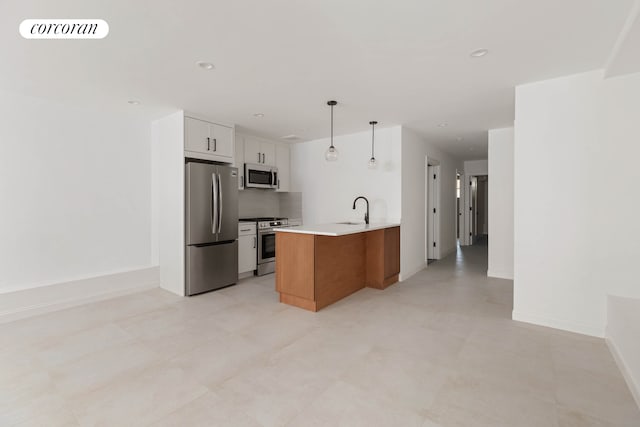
{"type": "Point", "coordinates": [34, 301]}
{"type": "Point", "coordinates": [404, 276]}
{"type": "Point", "coordinates": [563, 324]}
{"type": "Point", "coordinates": [626, 372]}
{"type": "Point", "coordinates": [499, 274]}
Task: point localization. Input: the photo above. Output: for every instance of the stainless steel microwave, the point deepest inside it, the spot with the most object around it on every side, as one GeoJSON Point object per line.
{"type": "Point", "coordinates": [260, 176]}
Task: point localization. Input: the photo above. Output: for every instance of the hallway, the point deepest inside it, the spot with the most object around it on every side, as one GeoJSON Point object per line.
{"type": "Point", "coordinates": [436, 350]}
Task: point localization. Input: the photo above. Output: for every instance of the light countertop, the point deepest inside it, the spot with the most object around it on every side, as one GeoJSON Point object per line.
{"type": "Point", "coordinates": [335, 229]}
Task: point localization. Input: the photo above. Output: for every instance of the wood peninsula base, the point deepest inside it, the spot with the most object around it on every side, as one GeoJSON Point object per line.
{"type": "Point", "coordinates": [314, 271]}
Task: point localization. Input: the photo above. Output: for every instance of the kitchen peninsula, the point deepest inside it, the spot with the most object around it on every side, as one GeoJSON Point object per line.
{"type": "Point", "coordinates": [318, 265]}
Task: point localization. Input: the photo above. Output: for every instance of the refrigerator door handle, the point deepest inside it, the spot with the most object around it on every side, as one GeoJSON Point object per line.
{"type": "Point", "coordinates": [219, 204]}
{"type": "Point", "coordinates": [214, 203]}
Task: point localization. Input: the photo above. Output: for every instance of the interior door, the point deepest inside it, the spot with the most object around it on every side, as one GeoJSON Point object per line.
{"type": "Point", "coordinates": [432, 219]}
{"type": "Point", "coordinates": [228, 203]}
{"type": "Point", "coordinates": [200, 183]}
{"type": "Point", "coordinates": [473, 199]}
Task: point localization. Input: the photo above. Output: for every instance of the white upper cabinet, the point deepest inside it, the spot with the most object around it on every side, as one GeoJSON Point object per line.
{"type": "Point", "coordinates": [257, 150]}
{"type": "Point", "coordinates": [252, 149]}
{"type": "Point", "coordinates": [283, 162]}
{"type": "Point", "coordinates": [208, 141]}
{"type": "Point", "coordinates": [239, 160]}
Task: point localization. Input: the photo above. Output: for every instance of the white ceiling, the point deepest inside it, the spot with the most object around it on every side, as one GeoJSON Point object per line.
{"type": "Point", "coordinates": [625, 57]}
{"type": "Point", "coordinates": [399, 62]}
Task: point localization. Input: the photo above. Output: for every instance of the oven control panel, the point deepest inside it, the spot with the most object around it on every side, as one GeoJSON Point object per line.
{"type": "Point", "coordinates": [272, 224]}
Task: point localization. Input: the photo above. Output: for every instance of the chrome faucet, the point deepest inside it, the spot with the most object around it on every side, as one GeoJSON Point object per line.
{"type": "Point", "coordinates": [366, 215]}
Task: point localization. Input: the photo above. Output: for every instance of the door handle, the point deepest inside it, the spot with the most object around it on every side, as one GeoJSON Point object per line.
{"type": "Point", "coordinates": [255, 242]}
{"type": "Point", "coordinates": [263, 158]}
{"type": "Point", "coordinates": [219, 205]}
{"type": "Point", "coordinates": [258, 157]}
{"type": "Point", "coordinates": [241, 181]}
{"type": "Point", "coordinates": [215, 144]}
{"type": "Point", "coordinates": [208, 143]}
{"type": "Point", "coordinates": [214, 203]}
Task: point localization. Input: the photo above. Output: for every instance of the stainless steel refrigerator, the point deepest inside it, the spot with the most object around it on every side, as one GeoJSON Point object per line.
{"type": "Point", "coordinates": [211, 227]}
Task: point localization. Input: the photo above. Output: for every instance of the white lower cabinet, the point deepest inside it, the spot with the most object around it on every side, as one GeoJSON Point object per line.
{"type": "Point", "coordinates": [247, 247]}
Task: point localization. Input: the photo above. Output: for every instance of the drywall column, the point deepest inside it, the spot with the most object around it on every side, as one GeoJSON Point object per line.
{"type": "Point", "coordinates": [557, 151]}
{"type": "Point", "coordinates": [501, 203]}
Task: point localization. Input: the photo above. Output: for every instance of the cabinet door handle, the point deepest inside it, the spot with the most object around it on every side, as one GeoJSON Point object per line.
{"type": "Point", "coordinates": [215, 144]}
{"type": "Point", "coordinates": [241, 181]}
{"type": "Point", "coordinates": [208, 143]}
{"type": "Point", "coordinates": [258, 157]}
{"type": "Point", "coordinates": [262, 157]}
{"type": "Point", "coordinates": [255, 242]}
{"type": "Point", "coordinates": [278, 183]}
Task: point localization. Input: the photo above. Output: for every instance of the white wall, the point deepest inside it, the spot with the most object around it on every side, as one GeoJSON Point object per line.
{"type": "Point", "coordinates": [167, 149]}
{"type": "Point", "coordinates": [74, 186]}
{"type": "Point", "coordinates": [623, 330]}
{"type": "Point", "coordinates": [617, 216]}
{"type": "Point", "coordinates": [476, 167]}
{"type": "Point", "coordinates": [556, 243]}
{"type": "Point", "coordinates": [329, 188]}
{"type": "Point", "coordinates": [575, 208]}
{"type": "Point", "coordinates": [500, 168]}
{"type": "Point", "coordinates": [415, 150]}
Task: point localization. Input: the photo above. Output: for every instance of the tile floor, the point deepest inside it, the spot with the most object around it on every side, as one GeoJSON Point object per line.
{"type": "Point", "coordinates": [436, 350]}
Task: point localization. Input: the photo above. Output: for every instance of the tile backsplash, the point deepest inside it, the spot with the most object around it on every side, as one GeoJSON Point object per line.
{"type": "Point", "coordinates": [256, 203]}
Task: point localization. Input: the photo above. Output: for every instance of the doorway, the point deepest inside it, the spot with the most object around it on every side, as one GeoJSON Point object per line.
{"type": "Point", "coordinates": [432, 220]}
{"type": "Point", "coordinates": [478, 201]}
{"type": "Point", "coordinates": [482, 210]}
{"type": "Point", "coordinates": [458, 207]}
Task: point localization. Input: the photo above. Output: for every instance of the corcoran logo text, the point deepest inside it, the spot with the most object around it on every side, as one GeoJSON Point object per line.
{"type": "Point", "coordinates": [64, 29]}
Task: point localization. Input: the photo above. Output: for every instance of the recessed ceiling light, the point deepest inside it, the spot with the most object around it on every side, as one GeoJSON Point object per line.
{"type": "Point", "coordinates": [479, 53]}
{"type": "Point", "coordinates": [443, 125]}
{"type": "Point", "coordinates": [133, 102]}
{"type": "Point", "coordinates": [205, 65]}
{"type": "Point", "coordinates": [259, 115]}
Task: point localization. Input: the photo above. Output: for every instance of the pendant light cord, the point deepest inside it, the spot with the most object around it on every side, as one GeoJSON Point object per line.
{"type": "Point", "coordinates": [373, 138]}
{"type": "Point", "coordinates": [373, 133]}
{"type": "Point", "coordinates": [331, 125]}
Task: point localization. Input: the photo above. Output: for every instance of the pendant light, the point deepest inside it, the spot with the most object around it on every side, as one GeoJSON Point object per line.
{"type": "Point", "coordinates": [373, 163]}
{"type": "Point", "coordinates": [331, 154]}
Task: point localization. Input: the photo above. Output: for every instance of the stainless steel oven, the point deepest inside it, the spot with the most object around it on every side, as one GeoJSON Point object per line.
{"type": "Point", "coordinates": [267, 245]}
{"type": "Point", "coordinates": [260, 176]}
